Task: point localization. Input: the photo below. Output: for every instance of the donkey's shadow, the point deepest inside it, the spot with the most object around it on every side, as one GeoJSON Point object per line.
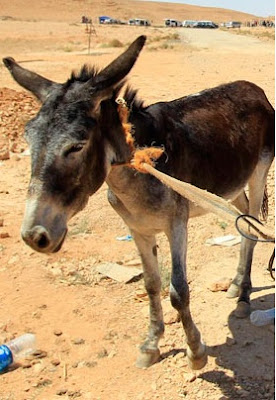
{"type": "Point", "coordinates": [249, 353]}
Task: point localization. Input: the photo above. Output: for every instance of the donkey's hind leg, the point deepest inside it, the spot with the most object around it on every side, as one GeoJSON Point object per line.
{"type": "Point", "coordinates": [242, 204]}
{"type": "Point", "coordinates": [256, 186]}
{"type": "Point", "coordinates": [148, 251]}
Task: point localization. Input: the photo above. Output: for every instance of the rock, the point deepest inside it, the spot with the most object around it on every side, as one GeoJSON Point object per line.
{"type": "Point", "coordinates": [78, 341]}
{"type": "Point", "coordinates": [39, 367]}
{"type": "Point", "coordinates": [4, 235]}
{"type": "Point", "coordinates": [43, 382]}
{"type": "Point", "coordinates": [14, 259]}
{"type": "Point", "coordinates": [171, 316]}
{"type": "Point", "coordinates": [57, 332]}
{"type": "Point", "coordinates": [61, 391]}
{"type": "Point", "coordinates": [26, 364]}
{"type": "Point", "coordinates": [221, 285]}
{"type": "Point", "coordinates": [56, 271]}
{"type": "Point", "coordinates": [112, 354]}
{"type": "Point", "coordinates": [90, 364]}
{"type": "Point", "coordinates": [1, 222]}
{"type": "Point", "coordinates": [74, 393]}
{"type": "Point", "coordinates": [75, 364]}
{"type": "Point", "coordinates": [102, 353]}
{"type": "Point", "coordinates": [17, 147]}
{"type": "Point", "coordinates": [39, 354]}
{"type": "Point", "coordinates": [55, 362]}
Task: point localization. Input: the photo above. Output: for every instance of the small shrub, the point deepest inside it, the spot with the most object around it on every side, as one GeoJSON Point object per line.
{"type": "Point", "coordinates": [67, 49]}
{"type": "Point", "coordinates": [115, 43]}
{"type": "Point", "coordinates": [222, 224]}
{"type": "Point", "coordinates": [111, 43]}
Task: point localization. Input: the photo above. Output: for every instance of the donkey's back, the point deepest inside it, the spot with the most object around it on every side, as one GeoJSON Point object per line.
{"type": "Point", "coordinates": [213, 139]}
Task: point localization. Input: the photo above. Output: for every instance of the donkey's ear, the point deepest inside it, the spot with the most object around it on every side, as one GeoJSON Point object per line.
{"type": "Point", "coordinates": [39, 86]}
{"type": "Point", "coordinates": [120, 67]}
{"type": "Point", "coordinates": [101, 87]}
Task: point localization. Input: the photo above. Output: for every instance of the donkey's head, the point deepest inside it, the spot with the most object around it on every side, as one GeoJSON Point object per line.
{"type": "Point", "coordinates": [74, 139]}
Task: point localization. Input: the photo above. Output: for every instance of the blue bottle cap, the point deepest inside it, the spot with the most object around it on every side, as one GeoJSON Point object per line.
{"type": "Point", "coordinates": [5, 357]}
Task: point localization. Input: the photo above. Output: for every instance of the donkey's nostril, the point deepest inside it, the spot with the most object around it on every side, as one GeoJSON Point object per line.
{"type": "Point", "coordinates": [37, 237]}
{"type": "Point", "coordinates": [40, 239]}
{"type": "Point", "coordinates": [43, 241]}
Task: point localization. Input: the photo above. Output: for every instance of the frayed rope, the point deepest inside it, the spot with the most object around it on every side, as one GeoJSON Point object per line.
{"type": "Point", "coordinates": [147, 155]}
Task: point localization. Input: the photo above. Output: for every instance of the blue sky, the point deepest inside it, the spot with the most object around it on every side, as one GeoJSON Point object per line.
{"type": "Point", "coordinates": [262, 8]}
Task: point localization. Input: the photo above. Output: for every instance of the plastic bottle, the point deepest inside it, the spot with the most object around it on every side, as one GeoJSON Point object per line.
{"type": "Point", "coordinates": [263, 317]}
{"type": "Point", "coordinates": [16, 349]}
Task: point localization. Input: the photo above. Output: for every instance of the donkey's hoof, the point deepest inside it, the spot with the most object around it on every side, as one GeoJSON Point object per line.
{"type": "Point", "coordinates": [199, 361]}
{"type": "Point", "coordinates": [233, 291]}
{"type": "Point", "coordinates": [147, 359]}
{"type": "Point", "coordinates": [242, 309]}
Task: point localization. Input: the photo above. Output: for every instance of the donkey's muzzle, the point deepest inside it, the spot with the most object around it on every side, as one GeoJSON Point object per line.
{"type": "Point", "coordinates": [39, 239]}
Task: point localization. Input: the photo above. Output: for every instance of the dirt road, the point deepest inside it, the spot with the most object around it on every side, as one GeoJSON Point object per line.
{"type": "Point", "coordinates": [89, 327]}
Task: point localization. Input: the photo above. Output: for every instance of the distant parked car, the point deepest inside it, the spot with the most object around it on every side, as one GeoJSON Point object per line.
{"type": "Point", "coordinates": [139, 22]}
{"type": "Point", "coordinates": [233, 24]}
{"type": "Point", "coordinates": [205, 24]}
{"type": "Point", "coordinates": [188, 23]}
{"type": "Point", "coordinates": [172, 22]}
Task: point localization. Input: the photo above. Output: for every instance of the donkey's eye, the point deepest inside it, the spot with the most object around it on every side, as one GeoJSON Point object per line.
{"type": "Point", "coordinates": [75, 148]}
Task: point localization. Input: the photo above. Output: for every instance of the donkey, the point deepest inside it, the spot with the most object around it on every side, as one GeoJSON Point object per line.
{"type": "Point", "coordinates": [220, 139]}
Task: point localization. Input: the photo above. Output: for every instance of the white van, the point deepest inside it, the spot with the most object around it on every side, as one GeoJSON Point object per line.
{"type": "Point", "coordinates": [233, 24]}
{"type": "Point", "coordinates": [188, 23]}
{"type": "Point", "coordinates": [172, 22]}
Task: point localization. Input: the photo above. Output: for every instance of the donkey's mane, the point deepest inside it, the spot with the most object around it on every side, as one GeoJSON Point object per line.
{"type": "Point", "coordinates": [132, 100]}
{"type": "Point", "coordinates": [88, 72]}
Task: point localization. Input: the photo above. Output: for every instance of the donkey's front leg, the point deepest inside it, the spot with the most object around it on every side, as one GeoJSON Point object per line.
{"type": "Point", "coordinates": [179, 293]}
{"type": "Point", "coordinates": [149, 349]}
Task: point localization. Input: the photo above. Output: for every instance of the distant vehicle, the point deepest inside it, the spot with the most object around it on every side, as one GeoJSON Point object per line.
{"type": "Point", "coordinates": [139, 22]}
{"type": "Point", "coordinates": [104, 19]}
{"type": "Point", "coordinates": [108, 20]}
{"type": "Point", "coordinates": [233, 24]}
{"type": "Point", "coordinates": [205, 24]}
{"type": "Point", "coordinates": [188, 23]}
{"type": "Point", "coordinates": [172, 22]}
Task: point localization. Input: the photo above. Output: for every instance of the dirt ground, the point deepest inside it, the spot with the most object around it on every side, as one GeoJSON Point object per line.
{"type": "Point", "coordinates": [89, 327]}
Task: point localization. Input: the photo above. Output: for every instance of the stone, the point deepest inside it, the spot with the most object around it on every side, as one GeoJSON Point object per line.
{"type": "Point", "coordinates": [4, 235]}
{"type": "Point", "coordinates": [57, 332]}
{"type": "Point", "coordinates": [55, 362]}
{"type": "Point", "coordinates": [221, 285]}
{"type": "Point", "coordinates": [61, 391]}
{"type": "Point", "coordinates": [78, 341]}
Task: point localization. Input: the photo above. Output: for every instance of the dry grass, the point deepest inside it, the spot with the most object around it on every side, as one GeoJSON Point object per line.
{"type": "Point", "coordinates": [258, 32]}
{"type": "Point", "coordinates": [163, 41]}
{"type": "Point", "coordinates": [112, 43]}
